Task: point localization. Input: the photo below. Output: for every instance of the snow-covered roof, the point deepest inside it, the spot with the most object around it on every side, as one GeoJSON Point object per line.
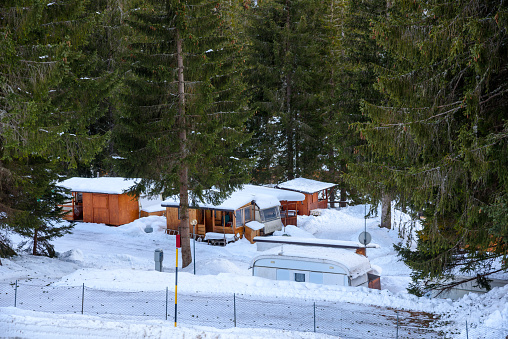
{"type": "Point", "coordinates": [107, 185]}
{"type": "Point", "coordinates": [263, 197]}
{"type": "Point", "coordinates": [305, 185]}
{"type": "Point", "coordinates": [255, 225]}
{"type": "Point", "coordinates": [150, 205]}
{"type": "Point", "coordinates": [314, 242]}
{"type": "Point", "coordinates": [356, 264]}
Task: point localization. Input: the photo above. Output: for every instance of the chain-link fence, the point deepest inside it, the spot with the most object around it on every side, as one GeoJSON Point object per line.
{"type": "Point", "coordinates": [346, 320]}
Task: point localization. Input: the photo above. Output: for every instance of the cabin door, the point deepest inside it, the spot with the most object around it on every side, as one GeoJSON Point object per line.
{"type": "Point", "coordinates": [101, 208]}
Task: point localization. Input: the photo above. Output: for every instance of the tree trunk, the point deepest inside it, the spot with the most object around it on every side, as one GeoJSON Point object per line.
{"type": "Point", "coordinates": [183, 174]}
{"type": "Point", "coordinates": [343, 196]}
{"type": "Point", "coordinates": [34, 251]}
{"type": "Point", "coordinates": [386, 211]}
{"type": "Point", "coordinates": [290, 133]}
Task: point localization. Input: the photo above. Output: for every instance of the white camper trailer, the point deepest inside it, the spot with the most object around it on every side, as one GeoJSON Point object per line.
{"type": "Point", "coordinates": [329, 266]}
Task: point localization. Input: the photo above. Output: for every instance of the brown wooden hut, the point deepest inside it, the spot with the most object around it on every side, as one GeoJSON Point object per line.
{"type": "Point", "coordinates": [101, 200]}
{"type": "Point", "coordinates": [316, 195]}
{"type": "Point", "coordinates": [252, 203]}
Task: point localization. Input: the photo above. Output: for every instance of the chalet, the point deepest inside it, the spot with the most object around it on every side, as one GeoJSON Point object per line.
{"type": "Point", "coordinates": [247, 212]}
{"type": "Point", "coordinates": [316, 195]}
{"type": "Point", "coordinates": [104, 200]}
{"type": "Point", "coordinates": [319, 265]}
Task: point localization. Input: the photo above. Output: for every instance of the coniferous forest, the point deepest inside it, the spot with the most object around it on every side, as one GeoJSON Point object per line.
{"type": "Point", "coordinates": [394, 101]}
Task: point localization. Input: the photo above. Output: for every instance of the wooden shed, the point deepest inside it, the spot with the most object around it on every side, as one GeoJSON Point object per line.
{"type": "Point", "coordinates": [316, 195]}
{"type": "Point", "coordinates": [101, 200]}
{"type": "Point", "coordinates": [232, 216]}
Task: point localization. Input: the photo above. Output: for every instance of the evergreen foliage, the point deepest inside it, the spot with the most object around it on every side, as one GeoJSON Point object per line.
{"type": "Point", "coordinates": [357, 57]}
{"type": "Point", "coordinates": [181, 127]}
{"type": "Point", "coordinates": [50, 93]}
{"type": "Point", "coordinates": [289, 47]}
{"type": "Point", "coordinates": [445, 132]}
{"type": "Point", "coordinates": [37, 212]}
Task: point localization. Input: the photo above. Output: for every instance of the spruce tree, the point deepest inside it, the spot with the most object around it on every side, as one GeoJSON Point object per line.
{"type": "Point", "coordinates": [288, 49]}
{"type": "Point", "coordinates": [445, 132]}
{"type": "Point", "coordinates": [358, 56]}
{"type": "Point", "coordinates": [181, 127]}
{"type": "Point", "coordinates": [37, 200]}
{"type": "Point", "coordinates": [50, 94]}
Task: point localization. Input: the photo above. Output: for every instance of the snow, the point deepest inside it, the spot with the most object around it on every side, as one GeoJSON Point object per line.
{"type": "Point", "coordinates": [151, 204]}
{"type": "Point", "coordinates": [264, 197]}
{"type": "Point", "coordinates": [106, 185]}
{"type": "Point", "coordinates": [314, 241]}
{"type": "Point", "coordinates": [305, 185]}
{"type": "Point", "coordinates": [254, 225]}
{"type": "Point", "coordinates": [219, 236]}
{"type": "Point", "coordinates": [121, 259]}
{"type": "Point", "coordinates": [17, 323]}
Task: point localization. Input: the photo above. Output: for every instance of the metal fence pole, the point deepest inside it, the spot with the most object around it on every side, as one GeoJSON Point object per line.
{"type": "Point", "coordinates": [15, 293]}
{"type": "Point", "coordinates": [397, 334]}
{"type": "Point", "coordinates": [467, 331]}
{"type": "Point", "coordinates": [314, 316]}
{"type": "Point", "coordinates": [166, 303]}
{"type": "Point", "coordinates": [83, 298]}
{"type": "Point", "coordinates": [234, 307]}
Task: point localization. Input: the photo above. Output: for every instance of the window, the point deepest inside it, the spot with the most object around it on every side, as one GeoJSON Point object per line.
{"type": "Point", "coordinates": [243, 216]}
{"type": "Point", "coordinates": [299, 277]}
{"type": "Point", "coordinates": [248, 216]}
{"type": "Point", "coordinates": [270, 214]}
{"type": "Point", "coordinates": [239, 218]}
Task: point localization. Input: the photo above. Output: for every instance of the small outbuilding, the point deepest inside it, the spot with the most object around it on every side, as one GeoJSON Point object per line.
{"type": "Point", "coordinates": [101, 200]}
{"type": "Point", "coordinates": [319, 265]}
{"type": "Point", "coordinates": [235, 214]}
{"type": "Point", "coordinates": [316, 195]}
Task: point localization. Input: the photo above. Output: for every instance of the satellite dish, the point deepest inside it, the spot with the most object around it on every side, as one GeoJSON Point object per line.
{"type": "Point", "coordinates": [364, 238]}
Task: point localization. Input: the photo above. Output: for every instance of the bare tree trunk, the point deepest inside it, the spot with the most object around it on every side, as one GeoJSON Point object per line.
{"type": "Point", "coordinates": [34, 251]}
{"type": "Point", "coordinates": [183, 174]}
{"type": "Point", "coordinates": [343, 196]}
{"type": "Point", "coordinates": [386, 211]}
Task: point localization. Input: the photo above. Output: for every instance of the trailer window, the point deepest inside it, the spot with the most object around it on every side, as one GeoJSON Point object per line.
{"type": "Point", "coordinates": [299, 277]}
{"type": "Point", "coordinates": [270, 214]}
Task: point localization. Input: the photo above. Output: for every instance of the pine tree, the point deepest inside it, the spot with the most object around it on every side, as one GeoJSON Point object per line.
{"type": "Point", "coordinates": [181, 128]}
{"type": "Point", "coordinates": [289, 47]}
{"type": "Point", "coordinates": [358, 57]}
{"type": "Point", "coordinates": [445, 132]}
{"type": "Point", "coordinates": [37, 212]}
{"type": "Point", "coordinates": [49, 95]}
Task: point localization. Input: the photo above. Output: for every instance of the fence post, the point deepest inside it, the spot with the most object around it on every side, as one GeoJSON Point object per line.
{"type": "Point", "coordinates": [234, 307]}
{"type": "Point", "coordinates": [314, 316]}
{"type": "Point", "coordinates": [15, 293]}
{"type": "Point", "coordinates": [166, 303]}
{"type": "Point", "coordinates": [397, 334]}
{"type": "Point", "coordinates": [83, 298]}
{"type": "Point", "coordinates": [467, 331]}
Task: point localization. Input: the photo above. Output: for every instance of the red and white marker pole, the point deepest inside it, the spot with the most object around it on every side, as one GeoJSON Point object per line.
{"type": "Point", "coordinates": [178, 245]}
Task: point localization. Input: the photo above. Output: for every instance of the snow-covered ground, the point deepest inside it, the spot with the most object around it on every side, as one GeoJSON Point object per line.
{"type": "Point", "coordinates": [121, 259]}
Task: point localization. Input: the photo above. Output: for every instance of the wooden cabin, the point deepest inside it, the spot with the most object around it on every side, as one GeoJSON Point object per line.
{"type": "Point", "coordinates": [101, 200]}
{"type": "Point", "coordinates": [233, 215]}
{"type": "Point", "coordinates": [316, 195]}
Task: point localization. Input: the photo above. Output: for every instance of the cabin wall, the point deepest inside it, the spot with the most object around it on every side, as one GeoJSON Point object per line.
{"type": "Point", "coordinates": [128, 209]}
{"type": "Point", "coordinates": [110, 209]}
{"type": "Point", "coordinates": [172, 221]}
